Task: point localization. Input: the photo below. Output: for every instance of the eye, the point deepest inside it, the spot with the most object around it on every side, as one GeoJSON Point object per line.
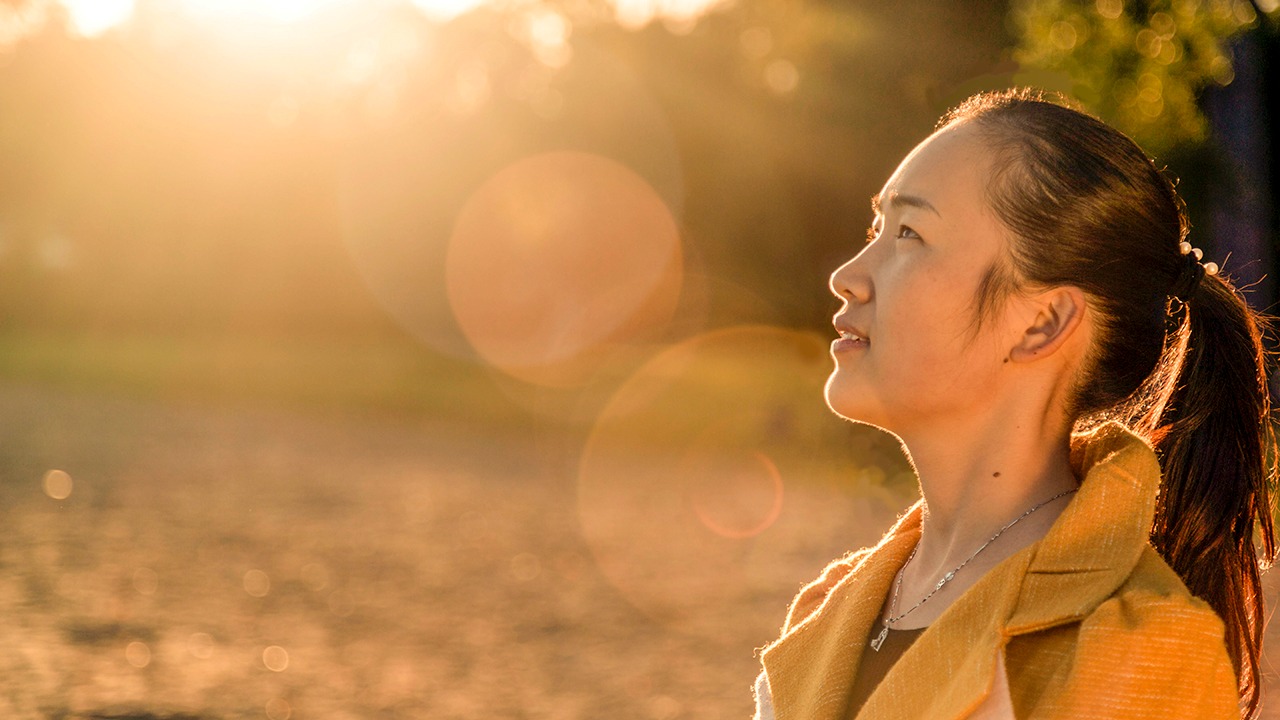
{"type": "Point", "coordinates": [906, 232]}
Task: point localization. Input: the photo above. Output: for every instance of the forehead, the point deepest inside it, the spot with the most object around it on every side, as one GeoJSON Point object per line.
{"type": "Point", "coordinates": [949, 170]}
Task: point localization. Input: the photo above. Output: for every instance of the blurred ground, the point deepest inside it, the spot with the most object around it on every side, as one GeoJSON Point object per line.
{"type": "Point", "coordinates": [223, 562]}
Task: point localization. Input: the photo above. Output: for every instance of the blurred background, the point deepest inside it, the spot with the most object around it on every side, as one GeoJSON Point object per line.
{"type": "Point", "coordinates": [463, 358]}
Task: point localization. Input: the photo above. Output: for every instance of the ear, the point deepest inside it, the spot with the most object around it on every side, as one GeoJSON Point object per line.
{"type": "Point", "coordinates": [1058, 314]}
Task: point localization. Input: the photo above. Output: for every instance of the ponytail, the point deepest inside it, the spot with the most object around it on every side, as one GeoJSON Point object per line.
{"type": "Point", "coordinates": [1215, 441]}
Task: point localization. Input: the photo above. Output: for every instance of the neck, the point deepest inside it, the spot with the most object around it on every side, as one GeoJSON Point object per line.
{"type": "Point", "coordinates": [977, 477]}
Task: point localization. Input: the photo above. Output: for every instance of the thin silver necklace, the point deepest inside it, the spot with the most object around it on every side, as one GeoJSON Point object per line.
{"type": "Point", "coordinates": [878, 640]}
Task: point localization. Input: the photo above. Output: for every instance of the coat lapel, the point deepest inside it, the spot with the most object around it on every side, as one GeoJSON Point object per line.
{"type": "Point", "coordinates": [1087, 554]}
{"type": "Point", "coordinates": [1096, 542]}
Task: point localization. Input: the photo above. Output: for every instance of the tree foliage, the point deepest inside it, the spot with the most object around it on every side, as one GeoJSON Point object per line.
{"type": "Point", "coordinates": [1140, 64]}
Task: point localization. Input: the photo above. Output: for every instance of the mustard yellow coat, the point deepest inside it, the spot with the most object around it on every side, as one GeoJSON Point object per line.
{"type": "Point", "coordinates": [1089, 622]}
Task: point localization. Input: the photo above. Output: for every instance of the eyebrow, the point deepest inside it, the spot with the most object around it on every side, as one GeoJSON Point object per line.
{"type": "Point", "coordinates": [897, 198]}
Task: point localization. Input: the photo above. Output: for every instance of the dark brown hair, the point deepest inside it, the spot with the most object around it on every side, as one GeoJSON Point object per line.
{"type": "Point", "coordinates": [1085, 206]}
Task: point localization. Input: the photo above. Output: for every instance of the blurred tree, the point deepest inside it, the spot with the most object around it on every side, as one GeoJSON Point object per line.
{"type": "Point", "coordinates": [1140, 64]}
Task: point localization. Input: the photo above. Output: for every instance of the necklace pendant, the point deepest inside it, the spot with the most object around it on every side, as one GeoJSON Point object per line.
{"type": "Point", "coordinates": [878, 640]}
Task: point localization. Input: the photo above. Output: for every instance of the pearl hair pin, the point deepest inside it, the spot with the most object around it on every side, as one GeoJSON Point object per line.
{"type": "Point", "coordinates": [1210, 268]}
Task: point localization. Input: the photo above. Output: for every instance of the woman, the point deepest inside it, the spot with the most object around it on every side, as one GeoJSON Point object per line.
{"type": "Point", "coordinates": [1083, 398]}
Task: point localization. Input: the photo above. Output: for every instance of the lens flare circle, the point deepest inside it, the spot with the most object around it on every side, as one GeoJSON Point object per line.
{"type": "Point", "coordinates": [736, 498]}
{"type": "Point", "coordinates": [408, 172]}
{"type": "Point", "coordinates": [681, 481]}
{"type": "Point", "coordinates": [559, 259]}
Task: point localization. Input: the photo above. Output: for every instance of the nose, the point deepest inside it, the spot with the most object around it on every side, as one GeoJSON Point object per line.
{"type": "Point", "coordinates": [852, 281]}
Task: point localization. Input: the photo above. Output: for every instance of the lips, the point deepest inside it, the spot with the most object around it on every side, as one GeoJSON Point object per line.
{"type": "Point", "coordinates": [851, 337]}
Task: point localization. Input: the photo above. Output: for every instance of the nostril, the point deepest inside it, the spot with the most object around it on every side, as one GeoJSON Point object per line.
{"type": "Point", "coordinates": [850, 282]}
{"type": "Point", "coordinates": [839, 283]}
{"type": "Point", "coordinates": [836, 288]}
{"type": "Point", "coordinates": [853, 288]}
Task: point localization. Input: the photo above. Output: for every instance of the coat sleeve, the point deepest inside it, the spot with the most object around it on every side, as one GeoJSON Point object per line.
{"type": "Point", "coordinates": [1144, 655]}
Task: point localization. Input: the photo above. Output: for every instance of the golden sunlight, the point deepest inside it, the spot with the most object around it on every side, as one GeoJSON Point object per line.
{"type": "Point", "coordinates": [274, 11]}
{"type": "Point", "coordinates": [90, 18]}
{"type": "Point", "coordinates": [680, 15]}
{"type": "Point", "coordinates": [442, 10]}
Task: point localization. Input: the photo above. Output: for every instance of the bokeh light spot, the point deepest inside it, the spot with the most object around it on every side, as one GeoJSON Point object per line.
{"type": "Point", "coordinates": [257, 583]}
{"type": "Point", "coordinates": [200, 645]}
{"type": "Point", "coordinates": [559, 259]}
{"type": "Point", "coordinates": [145, 581]}
{"type": "Point", "coordinates": [634, 14]}
{"type": "Point", "coordinates": [278, 709]}
{"type": "Point", "coordinates": [57, 484]}
{"type": "Point", "coordinates": [340, 604]}
{"type": "Point", "coordinates": [1221, 70]}
{"type": "Point", "coordinates": [19, 20]}
{"type": "Point", "coordinates": [137, 654]}
{"type": "Point", "coordinates": [55, 252]}
{"type": "Point", "coordinates": [525, 567]}
{"type": "Point", "coordinates": [1110, 9]}
{"type": "Point", "coordinates": [1164, 24]}
{"type": "Point", "coordinates": [315, 576]}
{"type": "Point", "coordinates": [275, 658]}
{"type": "Point", "coordinates": [781, 76]}
{"type": "Point", "coordinates": [757, 42]}
{"type": "Point", "coordinates": [1063, 35]}
{"type": "Point", "coordinates": [664, 707]}
{"type": "Point", "coordinates": [470, 88]}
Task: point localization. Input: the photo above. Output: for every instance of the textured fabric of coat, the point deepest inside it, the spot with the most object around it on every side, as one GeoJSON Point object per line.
{"type": "Point", "coordinates": [1088, 622]}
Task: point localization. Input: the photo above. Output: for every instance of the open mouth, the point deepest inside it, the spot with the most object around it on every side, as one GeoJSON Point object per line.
{"type": "Point", "coordinates": [850, 340]}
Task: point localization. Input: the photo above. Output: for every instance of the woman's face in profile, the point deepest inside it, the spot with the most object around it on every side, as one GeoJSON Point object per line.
{"type": "Point", "coordinates": [911, 295]}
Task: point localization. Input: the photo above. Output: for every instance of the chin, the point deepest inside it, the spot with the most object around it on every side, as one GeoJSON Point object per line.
{"type": "Point", "coordinates": [857, 405]}
{"type": "Point", "coordinates": [842, 401]}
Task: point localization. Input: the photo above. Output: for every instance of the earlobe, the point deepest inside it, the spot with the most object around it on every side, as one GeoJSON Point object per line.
{"type": "Point", "coordinates": [1058, 315]}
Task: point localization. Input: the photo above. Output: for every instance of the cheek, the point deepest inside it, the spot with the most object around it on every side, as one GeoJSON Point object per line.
{"type": "Point", "coordinates": [931, 334]}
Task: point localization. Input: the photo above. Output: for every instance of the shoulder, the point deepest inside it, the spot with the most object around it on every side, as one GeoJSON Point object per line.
{"type": "Point", "coordinates": [1154, 612]}
{"type": "Point", "coordinates": [812, 595]}
{"type": "Point", "coordinates": [1153, 650]}
{"type": "Point", "coordinates": [1152, 600]}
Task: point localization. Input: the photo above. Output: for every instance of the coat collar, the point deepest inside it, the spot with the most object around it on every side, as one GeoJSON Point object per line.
{"type": "Point", "coordinates": [1087, 553]}
{"type": "Point", "coordinates": [1100, 535]}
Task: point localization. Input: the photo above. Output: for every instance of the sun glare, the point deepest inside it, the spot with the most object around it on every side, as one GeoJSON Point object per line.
{"type": "Point", "coordinates": [442, 10]}
{"type": "Point", "coordinates": [94, 17]}
{"type": "Point", "coordinates": [274, 11]}
{"type": "Point", "coordinates": [90, 18]}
